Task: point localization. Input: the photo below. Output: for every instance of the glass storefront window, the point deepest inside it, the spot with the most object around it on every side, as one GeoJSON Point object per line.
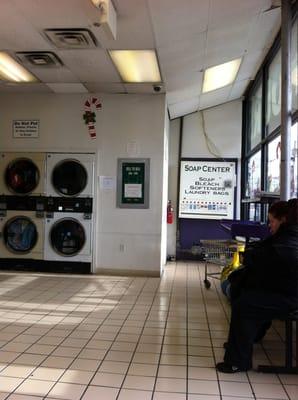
{"type": "Point", "coordinates": [273, 166]}
{"type": "Point", "coordinates": [253, 187]}
{"type": "Point", "coordinates": [294, 66]}
{"type": "Point", "coordinates": [273, 104]}
{"type": "Point", "coordinates": [255, 118]}
{"type": "Point", "coordinates": [255, 212]}
{"type": "Point", "coordinates": [294, 161]}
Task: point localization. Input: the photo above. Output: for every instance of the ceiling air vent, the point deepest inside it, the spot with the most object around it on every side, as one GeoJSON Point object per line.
{"type": "Point", "coordinates": [39, 58]}
{"type": "Point", "coordinates": [71, 38]}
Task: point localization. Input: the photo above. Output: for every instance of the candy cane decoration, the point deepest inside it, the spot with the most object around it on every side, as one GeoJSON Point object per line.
{"type": "Point", "coordinates": [89, 115]}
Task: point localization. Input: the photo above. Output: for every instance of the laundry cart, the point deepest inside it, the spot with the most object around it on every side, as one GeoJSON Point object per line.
{"type": "Point", "coordinates": [219, 253]}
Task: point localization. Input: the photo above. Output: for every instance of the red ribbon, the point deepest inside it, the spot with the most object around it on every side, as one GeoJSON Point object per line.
{"type": "Point", "coordinates": [92, 102]}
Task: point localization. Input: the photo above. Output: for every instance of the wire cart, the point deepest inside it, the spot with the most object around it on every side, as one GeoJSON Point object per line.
{"type": "Point", "coordinates": [218, 252]}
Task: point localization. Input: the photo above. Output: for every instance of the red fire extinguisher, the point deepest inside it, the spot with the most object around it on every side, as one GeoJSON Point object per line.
{"type": "Point", "coordinates": [170, 213]}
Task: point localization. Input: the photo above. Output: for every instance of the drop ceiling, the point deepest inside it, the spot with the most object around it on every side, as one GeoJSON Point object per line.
{"type": "Point", "coordinates": [188, 36]}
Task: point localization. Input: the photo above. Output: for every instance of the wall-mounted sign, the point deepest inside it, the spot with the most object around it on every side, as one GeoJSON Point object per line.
{"type": "Point", "coordinates": [207, 189]}
{"type": "Point", "coordinates": [28, 128]}
{"type": "Point", "coordinates": [133, 183]}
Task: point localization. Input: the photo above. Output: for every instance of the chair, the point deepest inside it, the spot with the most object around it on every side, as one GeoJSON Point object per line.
{"type": "Point", "coordinates": [290, 321]}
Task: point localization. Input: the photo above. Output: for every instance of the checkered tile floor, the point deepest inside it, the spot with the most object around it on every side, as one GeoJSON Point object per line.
{"type": "Point", "coordinates": [124, 338]}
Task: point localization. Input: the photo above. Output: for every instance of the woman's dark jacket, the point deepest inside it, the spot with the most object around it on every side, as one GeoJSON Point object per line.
{"type": "Point", "coordinates": [272, 265]}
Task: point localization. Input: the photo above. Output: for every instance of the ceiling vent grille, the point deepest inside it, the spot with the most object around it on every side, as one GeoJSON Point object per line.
{"type": "Point", "coordinates": [43, 59]}
{"type": "Point", "coordinates": [71, 38]}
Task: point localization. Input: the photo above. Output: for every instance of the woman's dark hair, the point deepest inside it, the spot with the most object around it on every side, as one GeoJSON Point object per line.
{"type": "Point", "coordinates": [279, 209]}
{"type": "Point", "coordinates": [292, 216]}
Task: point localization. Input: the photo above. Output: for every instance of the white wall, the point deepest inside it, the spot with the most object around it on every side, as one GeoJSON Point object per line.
{"type": "Point", "coordinates": [223, 126]}
{"type": "Point", "coordinates": [165, 191]}
{"type": "Point", "coordinates": [123, 119]}
{"type": "Point", "coordinates": [173, 182]}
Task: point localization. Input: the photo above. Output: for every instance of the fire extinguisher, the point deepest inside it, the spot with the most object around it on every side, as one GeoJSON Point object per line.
{"type": "Point", "coordinates": [170, 213]}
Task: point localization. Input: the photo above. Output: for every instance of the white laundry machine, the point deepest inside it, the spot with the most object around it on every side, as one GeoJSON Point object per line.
{"type": "Point", "coordinates": [70, 175]}
{"type": "Point", "coordinates": [21, 228]}
{"type": "Point", "coordinates": [22, 174]}
{"type": "Point", "coordinates": [68, 230]}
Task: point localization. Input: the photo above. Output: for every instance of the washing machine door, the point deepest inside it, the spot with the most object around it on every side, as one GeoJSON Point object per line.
{"type": "Point", "coordinates": [21, 176]}
{"type": "Point", "coordinates": [20, 235]}
{"type": "Point", "coordinates": [69, 177]}
{"type": "Point", "coordinates": [67, 237]}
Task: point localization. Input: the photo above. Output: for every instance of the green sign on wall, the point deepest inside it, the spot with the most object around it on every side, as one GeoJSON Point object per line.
{"type": "Point", "coordinates": [133, 183]}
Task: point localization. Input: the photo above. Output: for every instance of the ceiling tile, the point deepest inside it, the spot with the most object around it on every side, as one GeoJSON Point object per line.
{"type": "Point", "coordinates": [264, 30]}
{"type": "Point", "coordinates": [250, 64]}
{"type": "Point", "coordinates": [183, 81]}
{"type": "Point", "coordinates": [226, 12]}
{"type": "Point", "coordinates": [238, 89]}
{"type": "Point", "coordinates": [24, 87]}
{"type": "Point", "coordinates": [180, 95]}
{"type": "Point", "coordinates": [183, 107]}
{"type": "Point", "coordinates": [58, 75]}
{"type": "Point", "coordinates": [215, 97]}
{"type": "Point", "coordinates": [174, 20]}
{"type": "Point", "coordinates": [90, 65]}
{"type": "Point", "coordinates": [105, 87]}
{"type": "Point", "coordinates": [185, 55]}
{"type": "Point", "coordinates": [67, 87]}
{"type": "Point", "coordinates": [143, 88]}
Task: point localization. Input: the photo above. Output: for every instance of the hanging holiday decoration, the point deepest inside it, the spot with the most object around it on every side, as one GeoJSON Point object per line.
{"type": "Point", "coordinates": [89, 115]}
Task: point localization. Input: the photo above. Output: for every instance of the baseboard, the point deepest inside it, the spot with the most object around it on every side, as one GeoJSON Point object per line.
{"type": "Point", "coordinates": [127, 272]}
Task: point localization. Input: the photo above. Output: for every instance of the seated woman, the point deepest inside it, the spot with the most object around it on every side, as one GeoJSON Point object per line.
{"type": "Point", "coordinates": [269, 288]}
{"type": "Point", "coordinates": [276, 217]}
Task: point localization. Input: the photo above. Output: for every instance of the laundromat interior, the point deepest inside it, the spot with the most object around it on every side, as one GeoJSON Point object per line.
{"type": "Point", "coordinates": [112, 178]}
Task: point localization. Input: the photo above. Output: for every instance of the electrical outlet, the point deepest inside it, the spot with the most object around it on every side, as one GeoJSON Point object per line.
{"type": "Point", "coordinates": [121, 247]}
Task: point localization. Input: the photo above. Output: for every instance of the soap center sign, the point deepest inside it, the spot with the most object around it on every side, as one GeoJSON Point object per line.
{"type": "Point", "coordinates": [207, 189]}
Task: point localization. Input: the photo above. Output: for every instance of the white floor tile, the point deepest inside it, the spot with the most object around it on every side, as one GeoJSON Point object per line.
{"type": "Point", "coordinates": [34, 387]}
{"type": "Point", "coordinates": [98, 392]}
{"type": "Point", "coordinates": [67, 391]}
{"type": "Point", "coordinates": [127, 394]}
{"type": "Point", "coordinates": [107, 379]}
{"type": "Point", "coordinates": [127, 335]}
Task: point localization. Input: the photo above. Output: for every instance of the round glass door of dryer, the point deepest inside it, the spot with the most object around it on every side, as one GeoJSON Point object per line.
{"type": "Point", "coordinates": [67, 237]}
{"type": "Point", "coordinates": [20, 235]}
{"type": "Point", "coordinates": [21, 176]}
{"type": "Point", "coordinates": [69, 178]}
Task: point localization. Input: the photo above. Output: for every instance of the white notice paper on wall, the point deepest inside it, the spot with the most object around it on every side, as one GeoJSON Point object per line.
{"type": "Point", "coordinates": [25, 128]}
{"type": "Point", "coordinates": [107, 182]}
{"type": "Point", "coordinates": [133, 190]}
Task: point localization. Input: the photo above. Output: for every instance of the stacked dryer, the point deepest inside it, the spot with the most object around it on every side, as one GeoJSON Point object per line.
{"type": "Point", "coordinates": [22, 186]}
{"type": "Point", "coordinates": [46, 218]}
{"type": "Point", "coordinates": [69, 222]}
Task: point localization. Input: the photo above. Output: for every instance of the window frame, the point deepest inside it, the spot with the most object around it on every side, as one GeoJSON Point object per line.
{"type": "Point", "coordinates": [266, 137]}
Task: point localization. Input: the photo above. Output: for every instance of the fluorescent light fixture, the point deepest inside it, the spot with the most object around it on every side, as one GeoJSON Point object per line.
{"type": "Point", "coordinates": [135, 66]}
{"type": "Point", "coordinates": [12, 71]}
{"type": "Point", "coordinates": [220, 75]}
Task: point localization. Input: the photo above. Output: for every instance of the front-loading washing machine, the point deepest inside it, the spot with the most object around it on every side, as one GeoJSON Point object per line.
{"type": "Point", "coordinates": [70, 175]}
{"type": "Point", "coordinates": [21, 228]}
{"type": "Point", "coordinates": [68, 233]}
{"type": "Point", "coordinates": [22, 174]}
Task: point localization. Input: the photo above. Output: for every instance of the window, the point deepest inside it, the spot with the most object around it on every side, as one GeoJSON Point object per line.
{"type": "Point", "coordinates": [255, 118]}
{"type": "Point", "coordinates": [255, 212]}
{"type": "Point", "coordinates": [273, 104]}
{"type": "Point", "coordinates": [273, 166]}
{"type": "Point", "coordinates": [261, 155]}
{"type": "Point", "coordinates": [294, 66]}
{"type": "Point", "coordinates": [294, 161]}
{"type": "Point", "coordinates": [253, 187]}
